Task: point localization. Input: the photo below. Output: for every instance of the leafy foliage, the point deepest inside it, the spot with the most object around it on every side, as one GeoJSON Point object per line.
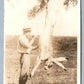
{"type": "Point", "coordinates": [43, 4]}
{"type": "Point", "coordinates": [38, 8]}
{"type": "Point", "coordinates": [70, 2]}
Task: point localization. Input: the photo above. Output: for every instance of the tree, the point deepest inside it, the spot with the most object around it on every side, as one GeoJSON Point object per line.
{"type": "Point", "coordinates": [45, 37]}
{"type": "Point", "coordinates": [43, 5]}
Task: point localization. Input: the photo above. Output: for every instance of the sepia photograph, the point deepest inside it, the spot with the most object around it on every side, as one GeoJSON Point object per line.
{"type": "Point", "coordinates": [42, 41]}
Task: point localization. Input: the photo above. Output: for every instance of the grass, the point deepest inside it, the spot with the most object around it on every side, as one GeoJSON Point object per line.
{"type": "Point", "coordinates": [63, 46]}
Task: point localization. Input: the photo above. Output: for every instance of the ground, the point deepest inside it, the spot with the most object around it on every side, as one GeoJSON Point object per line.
{"type": "Point", "coordinates": [63, 47]}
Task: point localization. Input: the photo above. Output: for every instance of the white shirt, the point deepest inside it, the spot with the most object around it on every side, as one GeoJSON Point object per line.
{"type": "Point", "coordinates": [23, 44]}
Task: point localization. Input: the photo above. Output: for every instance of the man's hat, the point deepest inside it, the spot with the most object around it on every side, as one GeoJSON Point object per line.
{"type": "Point", "coordinates": [26, 30]}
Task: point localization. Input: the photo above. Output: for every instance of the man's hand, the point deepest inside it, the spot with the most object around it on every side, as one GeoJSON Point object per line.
{"type": "Point", "coordinates": [35, 47]}
{"type": "Point", "coordinates": [31, 48]}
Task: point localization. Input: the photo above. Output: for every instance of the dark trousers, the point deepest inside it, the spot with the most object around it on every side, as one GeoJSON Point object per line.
{"type": "Point", "coordinates": [24, 68]}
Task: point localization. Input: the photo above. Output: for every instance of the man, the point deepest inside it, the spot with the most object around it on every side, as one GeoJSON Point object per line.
{"type": "Point", "coordinates": [25, 47]}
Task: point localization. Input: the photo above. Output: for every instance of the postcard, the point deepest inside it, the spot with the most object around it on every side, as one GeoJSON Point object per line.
{"type": "Point", "coordinates": [42, 40]}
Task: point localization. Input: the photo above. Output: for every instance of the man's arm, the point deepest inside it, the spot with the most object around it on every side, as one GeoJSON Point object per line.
{"type": "Point", "coordinates": [32, 47]}
{"type": "Point", "coordinates": [32, 41]}
{"type": "Point", "coordinates": [24, 42]}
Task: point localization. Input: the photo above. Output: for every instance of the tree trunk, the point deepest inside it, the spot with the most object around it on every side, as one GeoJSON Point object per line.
{"type": "Point", "coordinates": [46, 38]}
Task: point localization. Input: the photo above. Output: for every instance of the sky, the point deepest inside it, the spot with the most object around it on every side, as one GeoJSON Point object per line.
{"type": "Point", "coordinates": [67, 22]}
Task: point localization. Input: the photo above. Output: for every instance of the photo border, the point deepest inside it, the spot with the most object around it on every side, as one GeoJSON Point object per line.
{"type": "Point", "coordinates": [82, 42]}
{"type": "Point", "coordinates": [2, 41]}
